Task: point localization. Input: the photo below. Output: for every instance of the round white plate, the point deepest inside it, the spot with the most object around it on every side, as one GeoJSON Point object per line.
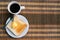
{"type": "Point", "coordinates": [24, 32]}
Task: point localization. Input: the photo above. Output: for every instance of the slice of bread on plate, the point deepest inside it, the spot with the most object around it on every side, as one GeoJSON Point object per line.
{"type": "Point", "coordinates": [16, 26]}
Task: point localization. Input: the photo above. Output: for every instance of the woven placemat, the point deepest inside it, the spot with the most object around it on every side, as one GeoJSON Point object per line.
{"type": "Point", "coordinates": [43, 17]}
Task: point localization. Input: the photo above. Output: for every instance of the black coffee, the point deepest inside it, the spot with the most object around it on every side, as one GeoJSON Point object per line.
{"type": "Point", "coordinates": [14, 8]}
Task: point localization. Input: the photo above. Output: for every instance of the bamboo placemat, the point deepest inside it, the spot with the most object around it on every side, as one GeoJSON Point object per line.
{"type": "Point", "coordinates": [43, 17]}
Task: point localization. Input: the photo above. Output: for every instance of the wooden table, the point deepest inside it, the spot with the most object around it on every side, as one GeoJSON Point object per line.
{"type": "Point", "coordinates": [43, 17]}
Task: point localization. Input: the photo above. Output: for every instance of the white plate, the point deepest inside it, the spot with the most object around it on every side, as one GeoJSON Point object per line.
{"type": "Point", "coordinates": [24, 32]}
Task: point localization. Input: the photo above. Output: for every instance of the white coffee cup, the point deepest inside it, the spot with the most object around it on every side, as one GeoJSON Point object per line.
{"type": "Point", "coordinates": [21, 7]}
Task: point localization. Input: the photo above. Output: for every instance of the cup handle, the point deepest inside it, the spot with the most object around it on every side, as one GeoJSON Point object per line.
{"type": "Point", "coordinates": [22, 7]}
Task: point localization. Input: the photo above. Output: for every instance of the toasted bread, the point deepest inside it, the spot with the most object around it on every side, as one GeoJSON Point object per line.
{"type": "Point", "coordinates": [17, 26]}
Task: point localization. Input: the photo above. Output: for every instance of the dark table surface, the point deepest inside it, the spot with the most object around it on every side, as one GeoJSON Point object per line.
{"type": "Point", "coordinates": [43, 17]}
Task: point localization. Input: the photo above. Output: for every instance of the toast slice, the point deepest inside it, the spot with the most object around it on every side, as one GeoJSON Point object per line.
{"type": "Point", "coordinates": [16, 26]}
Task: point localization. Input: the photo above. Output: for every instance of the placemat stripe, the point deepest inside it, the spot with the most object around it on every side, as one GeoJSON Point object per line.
{"type": "Point", "coordinates": [52, 1]}
{"type": "Point", "coordinates": [39, 26]}
{"type": "Point", "coordinates": [33, 3]}
{"type": "Point", "coordinates": [35, 8]}
{"type": "Point", "coordinates": [31, 38]}
{"type": "Point", "coordinates": [34, 36]}
{"type": "Point", "coordinates": [32, 12]}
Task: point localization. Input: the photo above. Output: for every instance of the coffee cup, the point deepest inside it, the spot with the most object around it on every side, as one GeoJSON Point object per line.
{"type": "Point", "coordinates": [14, 7]}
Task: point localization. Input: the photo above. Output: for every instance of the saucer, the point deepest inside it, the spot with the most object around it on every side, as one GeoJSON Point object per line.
{"type": "Point", "coordinates": [25, 30]}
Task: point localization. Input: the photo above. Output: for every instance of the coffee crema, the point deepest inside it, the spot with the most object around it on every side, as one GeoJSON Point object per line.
{"type": "Point", "coordinates": [14, 8]}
